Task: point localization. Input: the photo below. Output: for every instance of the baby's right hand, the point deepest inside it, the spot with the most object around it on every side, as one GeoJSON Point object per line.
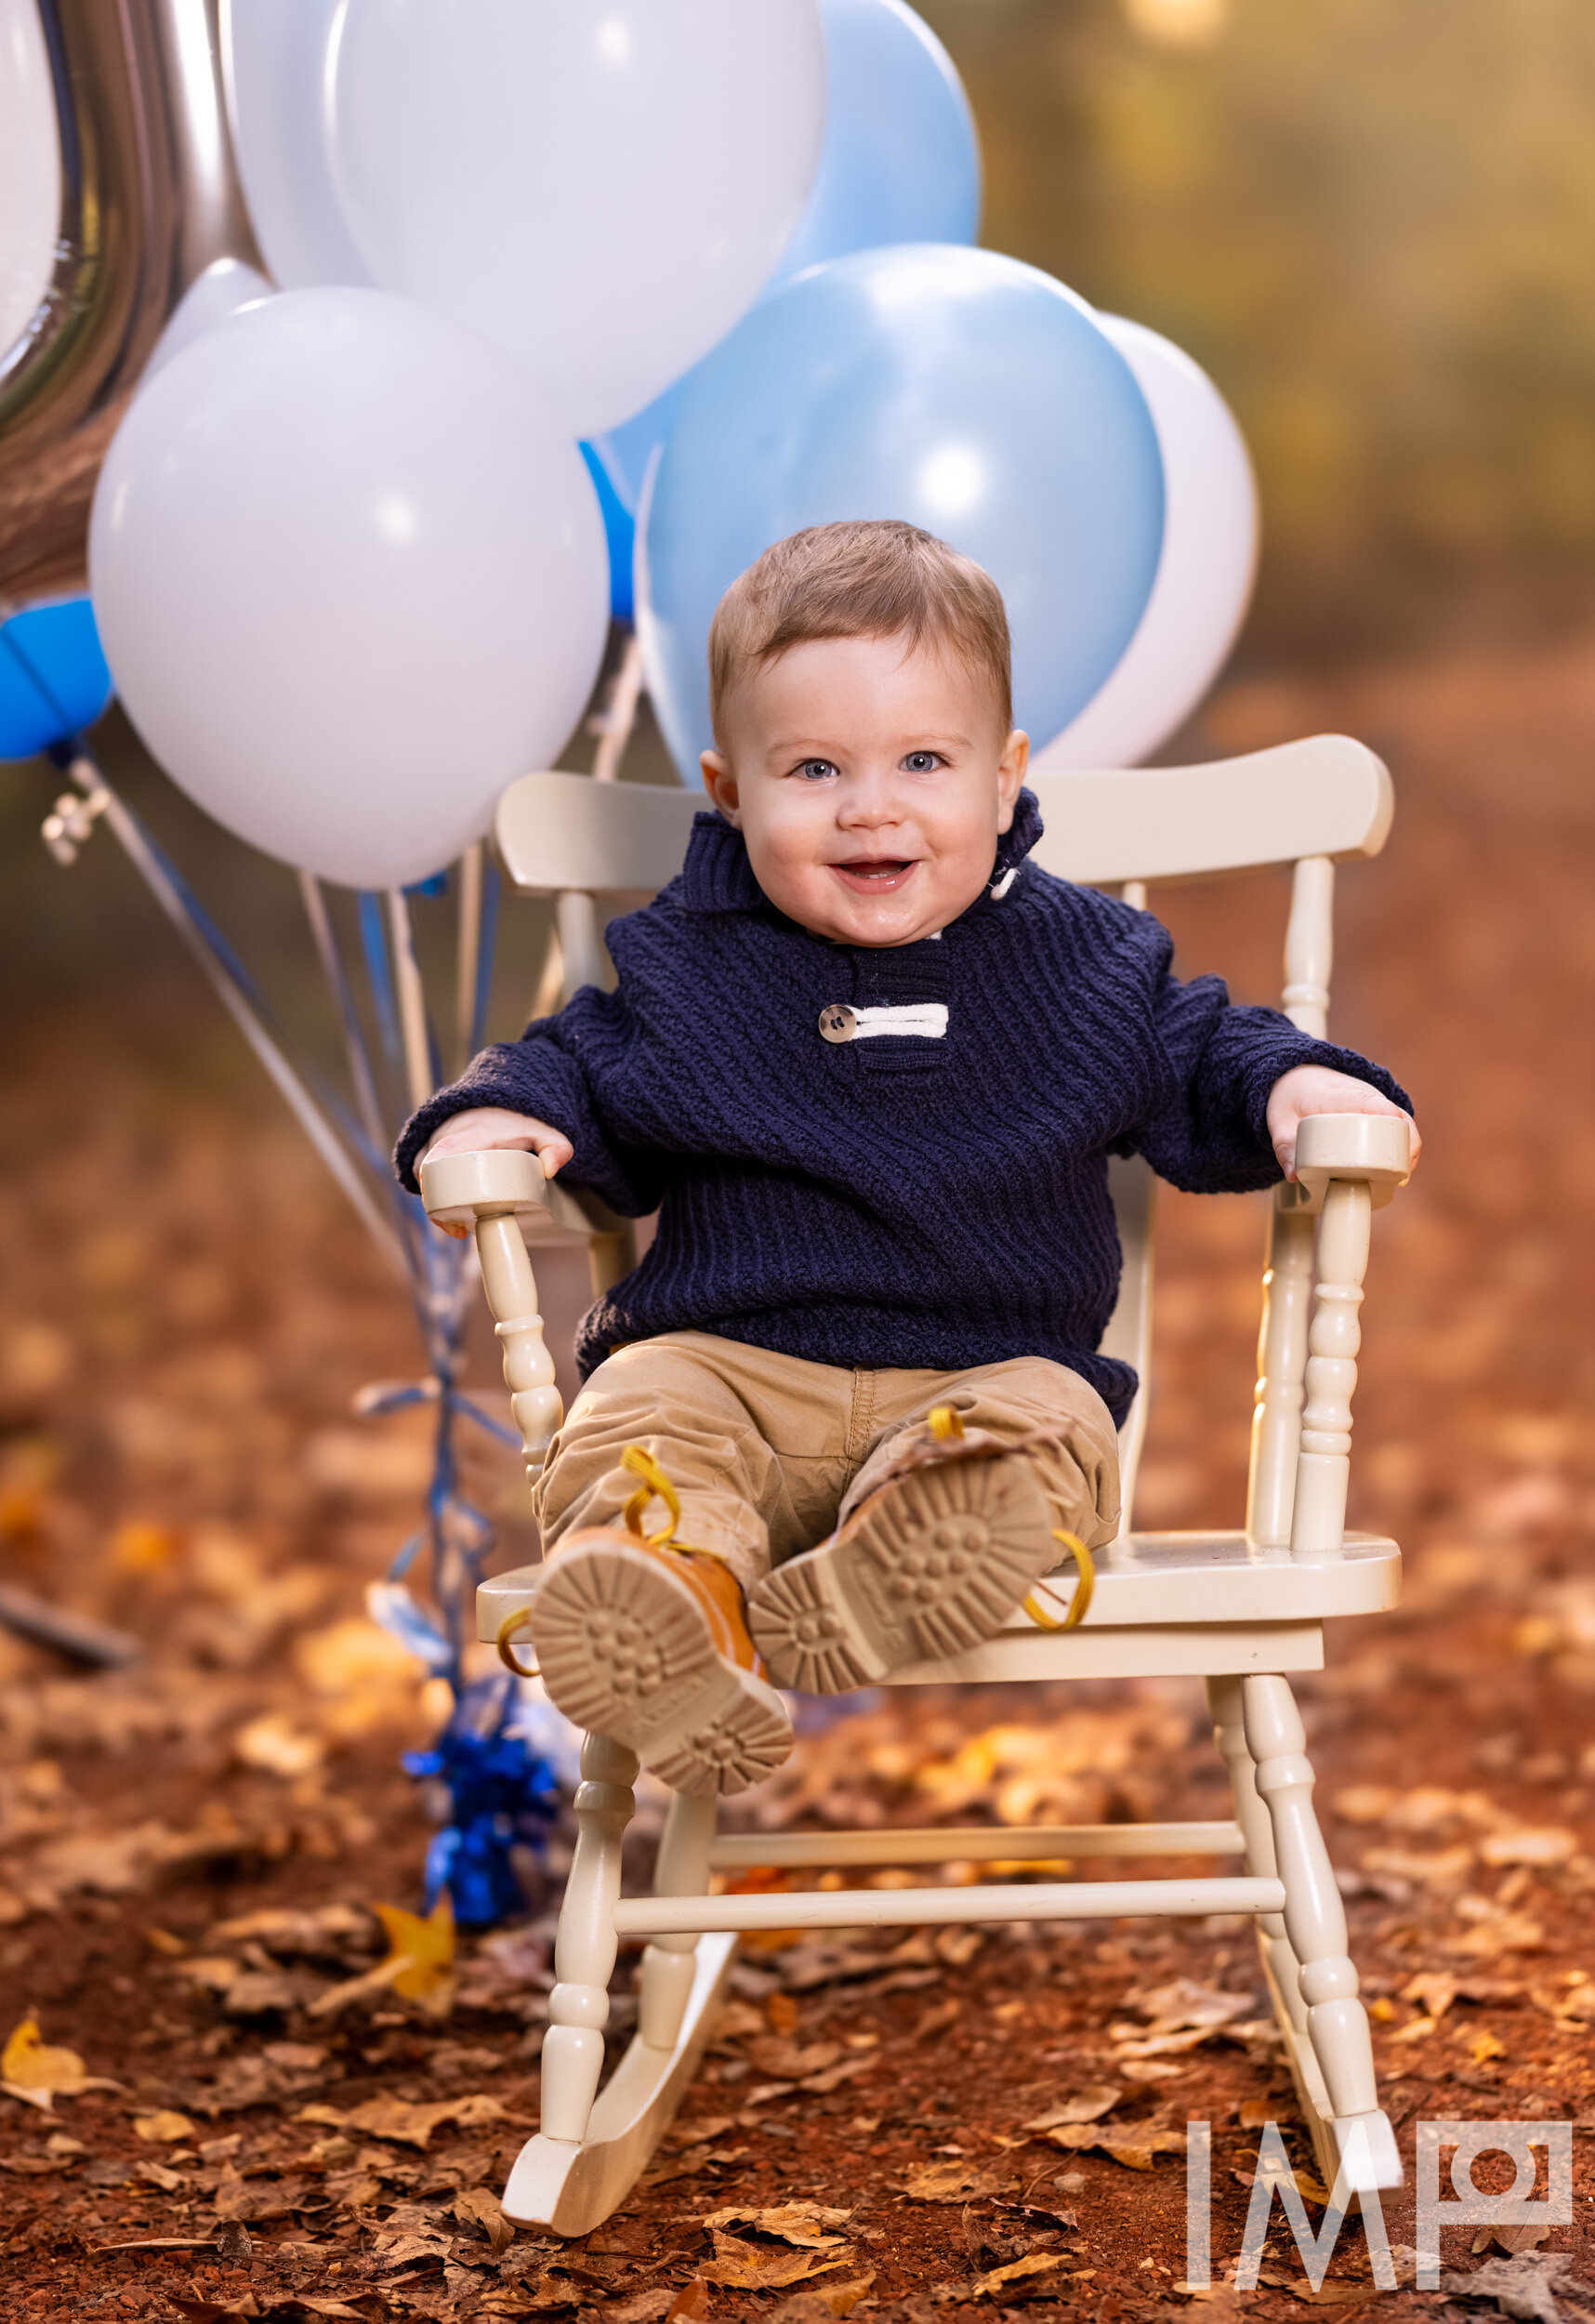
{"type": "Point", "coordinates": [486, 1128]}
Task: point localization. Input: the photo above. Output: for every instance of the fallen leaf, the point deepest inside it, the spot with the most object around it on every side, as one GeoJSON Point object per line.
{"type": "Point", "coordinates": [806, 2224]}
{"type": "Point", "coordinates": [1088, 2106]}
{"type": "Point", "coordinates": [1524, 2287]}
{"type": "Point", "coordinates": [216, 2311]}
{"type": "Point", "coordinates": [643, 2307]}
{"type": "Point", "coordinates": [1183, 2003]}
{"type": "Point", "coordinates": [404, 2124]}
{"type": "Point", "coordinates": [1511, 1933]}
{"type": "Point", "coordinates": [1134, 2145]}
{"type": "Point", "coordinates": [823, 2301]}
{"type": "Point", "coordinates": [954, 2182]}
{"type": "Point", "coordinates": [36, 2074]}
{"type": "Point", "coordinates": [1482, 2046]}
{"type": "Point", "coordinates": [693, 2300]}
{"type": "Point", "coordinates": [1017, 2271]}
{"type": "Point", "coordinates": [165, 2127]}
{"type": "Point", "coordinates": [425, 1950]}
{"type": "Point", "coordinates": [772, 2054]}
{"type": "Point", "coordinates": [1550, 1845]}
{"type": "Point", "coordinates": [755, 2268]}
{"type": "Point", "coordinates": [479, 2205]}
{"type": "Point", "coordinates": [1432, 1989]}
{"type": "Point", "coordinates": [936, 2019]}
{"type": "Point", "coordinates": [820, 2085]}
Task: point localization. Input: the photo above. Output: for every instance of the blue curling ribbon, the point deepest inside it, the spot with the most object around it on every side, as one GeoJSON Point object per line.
{"type": "Point", "coordinates": [502, 1795]}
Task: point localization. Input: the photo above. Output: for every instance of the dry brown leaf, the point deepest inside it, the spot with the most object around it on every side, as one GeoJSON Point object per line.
{"type": "Point", "coordinates": [1135, 2144]}
{"type": "Point", "coordinates": [1181, 2005]}
{"type": "Point", "coordinates": [821, 2301]}
{"type": "Point", "coordinates": [756, 2267]}
{"type": "Point", "coordinates": [1432, 1989]}
{"type": "Point", "coordinates": [1086, 2105]}
{"type": "Point", "coordinates": [834, 2076]}
{"type": "Point", "coordinates": [805, 2224]}
{"type": "Point", "coordinates": [954, 2182]}
{"type": "Point", "coordinates": [693, 2300]}
{"type": "Point", "coordinates": [774, 2054]}
{"type": "Point", "coordinates": [479, 2205]}
{"type": "Point", "coordinates": [165, 2127]}
{"type": "Point", "coordinates": [404, 2124]}
{"type": "Point", "coordinates": [1511, 1933]}
{"type": "Point", "coordinates": [937, 2018]}
{"type": "Point", "coordinates": [1003, 2279]}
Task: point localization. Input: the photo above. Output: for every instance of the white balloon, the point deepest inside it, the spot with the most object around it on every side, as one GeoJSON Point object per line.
{"type": "Point", "coordinates": [602, 186]}
{"type": "Point", "coordinates": [1205, 572]}
{"type": "Point", "coordinates": [225, 286]}
{"type": "Point", "coordinates": [275, 53]}
{"type": "Point", "coordinates": [30, 170]}
{"type": "Point", "coordinates": [350, 577]}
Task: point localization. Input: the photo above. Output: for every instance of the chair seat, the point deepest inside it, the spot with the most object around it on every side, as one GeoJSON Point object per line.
{"type": "Point", "coordinates": [1201, 1603]}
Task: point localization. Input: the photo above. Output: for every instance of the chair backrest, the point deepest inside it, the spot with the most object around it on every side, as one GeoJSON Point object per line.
{"type": "Point", "coordinates": [1310, 804]}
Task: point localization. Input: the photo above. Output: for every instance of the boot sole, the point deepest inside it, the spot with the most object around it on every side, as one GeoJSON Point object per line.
{"type": "Point", "coordinates": [934, 1564]}
{"type": "Point", "coordinates": [626, 1651]}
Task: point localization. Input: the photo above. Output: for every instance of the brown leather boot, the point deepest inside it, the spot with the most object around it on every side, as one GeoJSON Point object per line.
{"type": "Point", "coordinates": [931, 1562]}
{"type": "Point", "coordinates": [650, 1645]}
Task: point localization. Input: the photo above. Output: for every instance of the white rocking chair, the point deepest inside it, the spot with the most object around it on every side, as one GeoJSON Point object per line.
{"type": "Point", "coordinates": [1240, 1610]}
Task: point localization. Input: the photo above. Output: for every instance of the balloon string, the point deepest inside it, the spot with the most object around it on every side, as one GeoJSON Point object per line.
{"type": "Point", "coordinates": [232, 985]}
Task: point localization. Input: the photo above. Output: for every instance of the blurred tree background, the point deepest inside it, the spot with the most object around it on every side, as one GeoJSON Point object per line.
{"type": "Point", "coordinates": [1374, 224]}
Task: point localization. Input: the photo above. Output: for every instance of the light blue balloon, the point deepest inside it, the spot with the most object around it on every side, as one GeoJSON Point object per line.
{"type": "Point", "coordinates": [901, 162]}
{"type": "Point", "coordinates": [960, 390]}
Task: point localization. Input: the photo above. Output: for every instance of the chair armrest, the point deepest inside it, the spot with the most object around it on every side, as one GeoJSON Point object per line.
{"type": "Point", "coordinates": [1372, 1150]}
{"type": "Point", "coordinates": [503, 1182]}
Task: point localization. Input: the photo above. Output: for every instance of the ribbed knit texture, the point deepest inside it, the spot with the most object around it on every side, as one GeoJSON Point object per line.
{"type": "Point", "coordinates": [901, 1200]}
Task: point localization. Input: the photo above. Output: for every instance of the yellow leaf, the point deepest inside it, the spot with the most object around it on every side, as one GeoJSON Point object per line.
{"type": "Point", "coordinates": [805, 2224]}
{"type": "Point", "coordinates": [165, 2127]}
{"type": "Point", "coordinates": [29, 2065]}
{"type": "Point", "coordinates": [1482, 2046]}
{"type": "Point", "coordinates": [426, 1947]}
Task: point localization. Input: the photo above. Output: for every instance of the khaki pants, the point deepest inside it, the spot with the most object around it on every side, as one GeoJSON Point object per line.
{"type": "Point", "coordinates": [763, 1448]}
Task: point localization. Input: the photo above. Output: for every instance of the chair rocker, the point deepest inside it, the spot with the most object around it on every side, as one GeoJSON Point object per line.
{"type": "Point", "coordinates": [1240, 1610]}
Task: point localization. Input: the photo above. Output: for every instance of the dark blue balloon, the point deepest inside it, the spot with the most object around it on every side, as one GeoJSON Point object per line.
{"type": "Point", "coordinates": [53, 678]}
{"type": "Point", "coordinates": [620, 531]}
{"type": "Point", "coordinates": [963, 392]}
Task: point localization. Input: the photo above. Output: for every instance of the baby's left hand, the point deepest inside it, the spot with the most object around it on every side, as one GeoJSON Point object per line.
{"type": "Point", "coordinates": [1315, 1090]}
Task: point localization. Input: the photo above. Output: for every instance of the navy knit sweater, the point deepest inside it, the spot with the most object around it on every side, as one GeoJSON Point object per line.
{"type": "Point", "coordinates": [913, 1198]}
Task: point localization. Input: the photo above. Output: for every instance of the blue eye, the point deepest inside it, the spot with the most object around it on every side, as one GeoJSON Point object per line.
{"type": "Point", "coordinates": [922, 762]}
{"type": "Point", "coordinates": [816, 769]}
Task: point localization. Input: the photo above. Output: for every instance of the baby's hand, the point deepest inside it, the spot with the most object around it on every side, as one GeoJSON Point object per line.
{"type": "Point", "coordinates": [1316, 1089]}
{"type": "Point", "coordinates": [486, 1128]}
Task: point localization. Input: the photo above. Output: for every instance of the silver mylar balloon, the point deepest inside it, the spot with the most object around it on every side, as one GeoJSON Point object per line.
{"type": "Point", "coordinates": [150, 200]}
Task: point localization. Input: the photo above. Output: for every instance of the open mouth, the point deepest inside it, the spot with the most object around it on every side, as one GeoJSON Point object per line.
{"type": "Point", "coordinates": [875, 875]}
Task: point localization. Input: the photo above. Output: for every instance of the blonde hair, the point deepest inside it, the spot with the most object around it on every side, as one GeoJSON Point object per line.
{"type": "Point", "coordinates": [857, 579]}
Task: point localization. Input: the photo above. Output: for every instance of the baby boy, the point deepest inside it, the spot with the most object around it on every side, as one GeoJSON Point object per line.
{"type": "Point", "coordinates": [867, 1062]}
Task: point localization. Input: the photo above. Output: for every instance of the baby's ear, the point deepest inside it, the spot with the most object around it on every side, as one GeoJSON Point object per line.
{"type": "Point", "coordinates": [1011, 768]}
{"type": "Point", "coordinates": [721, 784]}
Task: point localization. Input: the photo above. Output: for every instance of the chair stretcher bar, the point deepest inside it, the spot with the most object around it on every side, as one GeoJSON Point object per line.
{"type": "Point", "coordinates": [916, 1908]}
{"type": "Point", "coordinates": [1031, 1843]}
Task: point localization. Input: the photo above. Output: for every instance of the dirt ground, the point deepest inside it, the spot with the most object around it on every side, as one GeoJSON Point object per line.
{"type": "Point", "coordinates": [194, 1846]}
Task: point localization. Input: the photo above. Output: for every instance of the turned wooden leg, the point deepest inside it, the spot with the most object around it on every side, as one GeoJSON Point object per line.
{"type": "Point", "coordinates": [585, 1946]}
{"type": "Point", "coordinates": [1315, 1923]}
{"type": "Point", "coordinates": [1224, 1701]}
{"type": "Point", "coordinates": [669, 1963]}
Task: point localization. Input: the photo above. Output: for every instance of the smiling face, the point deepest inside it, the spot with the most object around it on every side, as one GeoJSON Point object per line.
{"type": "Point", "coordinates": [871, 780]}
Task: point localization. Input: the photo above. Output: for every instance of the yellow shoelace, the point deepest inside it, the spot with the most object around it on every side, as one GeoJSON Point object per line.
{"type": "Point", "coordinates": [655, 1485]}
{"type": "Point", "coordinates": [945, 1428]}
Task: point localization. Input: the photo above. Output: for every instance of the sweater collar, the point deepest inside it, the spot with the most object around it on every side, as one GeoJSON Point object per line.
{"type": "Point", "coordinates": [717, 876]}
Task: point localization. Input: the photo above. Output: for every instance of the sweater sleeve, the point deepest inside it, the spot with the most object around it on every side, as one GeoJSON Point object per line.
{"type": "Point", "coordinates": [550, 1073]}
{"type": "Point", "coordinates": [1208, 1131]}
